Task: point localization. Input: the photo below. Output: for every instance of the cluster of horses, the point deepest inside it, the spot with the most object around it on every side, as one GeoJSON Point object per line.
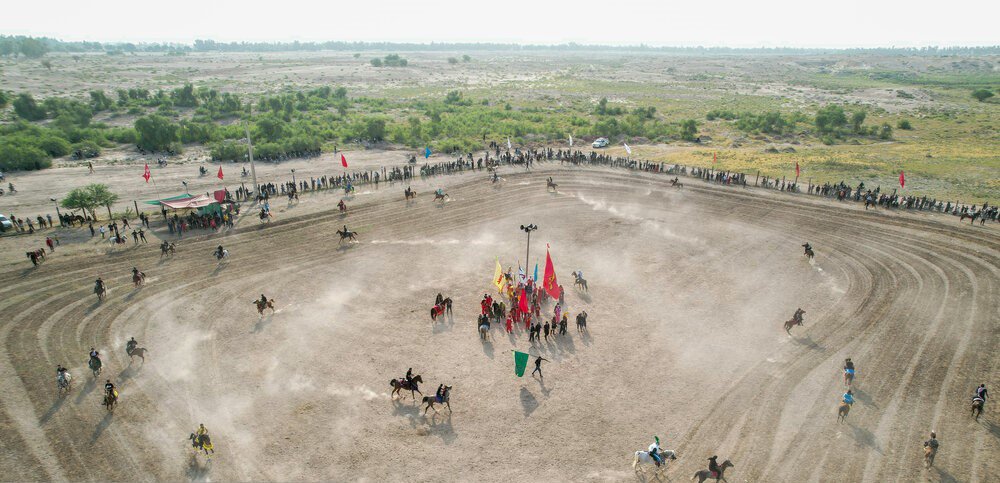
{"type": "Point", "coordinates": [428, 402]}
{"type": "Point", "coordinates": [644, 459]}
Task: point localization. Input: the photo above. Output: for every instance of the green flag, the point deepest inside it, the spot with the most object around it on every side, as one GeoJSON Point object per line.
{"type": "Point", "coordinates": [520, 363]}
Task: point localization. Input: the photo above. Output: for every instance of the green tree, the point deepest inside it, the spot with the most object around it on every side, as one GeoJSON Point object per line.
{"type": "Point", "coordinates": [466, 58]}
{"type": "Point", "coordinates": [375, 129]}
{"type": "Point", "coordinates": [4, 99]}
{"type": "Point", "coordinates": [99, 101]}
{"type": "Point", "coordinates": [885, 132]}
{"type": "Point", "coordinates": [26, 108]}
{"type": "Point", "coordinates": [185, 96]}
{"type": "Point", "coordinates": [830, 119]}
{"type": "Point", "coordinates": [857, 119]}
{"type": "Point", "coordinates": [89, 198]}
{"type": "Point", "coordinates": [689, 130]}
{"type": "Point", "coordinates": [904, 124]}
{"type": "Point", "coordinates": [33, 48]}
{"type": "Point", "coordinates": [982, 94]}
{"type": "Point", "coordinates": [156, 133]}
{"type": "Point", "coordinates": [376, 62]}
{"type": "Point", "coordinates": [452, 60]}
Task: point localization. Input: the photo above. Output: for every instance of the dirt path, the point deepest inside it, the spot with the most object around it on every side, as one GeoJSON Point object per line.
{"type": "Point", "coordinates": [688, 292]}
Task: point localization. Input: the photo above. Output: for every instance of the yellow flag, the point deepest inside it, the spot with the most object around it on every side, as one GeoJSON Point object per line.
{"type": "Point", "coordinates": [498, 279]}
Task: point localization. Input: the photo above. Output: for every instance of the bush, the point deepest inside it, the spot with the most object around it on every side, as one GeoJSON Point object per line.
{"type": "Point", "coordinates": [122, 135]}
{"type": "Point", "coordinates": [452, 60]}
{"type": "Point", "coordinates": [20, 157]}
{"type": "Point", "coordinates": [156, 133]}
{"type": "Point", "coordinates": [26, 108]}
{"type": "Point", "coordinates": [4, 99]}
{"type": "Point", "coordinates": [86, 150]}
{"type": "Point", "coordinates": [830, 119]}
{"type": "Point", "coordinates": [466, 58]}
{"type": "Point", "coordinates": [54, 146]}
{"type": "Point", "coordinates": [689, 130]}
{"type": "Point", "coordinates": [885, 132]}
{"type": "Point", "coordinates": [982, 94]}
{"type": "Point", "coordinates": [376, 62]}
{"type": "Point", "coordinates": [904, 125]}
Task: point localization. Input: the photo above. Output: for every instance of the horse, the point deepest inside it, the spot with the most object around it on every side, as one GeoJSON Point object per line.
{"type": "Point", "coordinates": [101, 291]}
{"type": "Point", "coordinates": [167, 248]}
{"type": "Point", "coordinates": [139, 352]}
{"type": "Point", "coordinates": [676, 183]}
{"type": "Point", "coordinates": [342, 206]}
{"type": "Point", "coordinates": [441, 196]}
{"type": "Point", "coordinates": [977, 408]}
{"type": "Point", "coordinates": [347, 235]}
{"type": "Point", "coordinates": [95, 365]}
{"type": "Point", "coordinates": [265, 216]}
{"type": "Point", "coordinates": [264, 305]}
{"type": "Point", "coordinates": [399, 385]}
{"type": "Point", "coordinates": [809, 253]}
{"type": "Point", "coordinates": [64, 381]}
{"type": "Point", "coordinates": [138, 279]}
{"type": "Point", "coordinates": [430, 400]}
{"type": "Point", "coordinates": [550, 185]}
{"type": "Point", "coordinates": [929, 453]}
{"type": "Point", "coordinates": [409, 194]}
{"type": "Point", "coordinates": [644, 458]}
{"type": "Point", "coordinates": [848, 378]}
{"type": "Point", "coordinates": [202, 442]}
{"type": "Point", "coordinates": [792, 323]}
{"type": "Point", "coordinates": [224, 255]}
{"type": "Point", "coordinates": [842, 411]}
{"type": "Point", "coordinates": [580, 282]}
{"type": "Point", "coordinates": [441, 308]}
{"type": "Point", "coordinates": [349, 189]}
{"type": "Point", "coordinates": [706, 474]}
{"type": "Point", "coordinates": [111, 399]}
{"type": "Point", "coordinates": [972, 217]}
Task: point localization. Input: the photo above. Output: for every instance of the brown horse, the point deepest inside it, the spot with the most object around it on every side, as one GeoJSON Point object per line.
{"type": "Point", "coordinates": [809, 253]}
{"type": "Point", "coordinates": [441, 196]}
{"type": "Point", "coordinates": [441, 308]}
{"type": "Point", "coordinates": [111, 399]}
{"type": "Point", "coordinates": [399, 385]}
{"type": "Point", "coordinates": [706, 474]}
{"type": "Point", "coordinates": [409, 194]}
{"type": "Point", "coordinates": [977, 408]}
{"type": "Point", "coordinates": [842, 411]}
{"type": "Point", "coordinates": [550, 185]}
{"type": "Point", "coordinates": [791, 323]}
{"type": "Point", "coordinates": [264, 305]}
{"type": "Point", "coordinates": [929, 453]}
{"type": "Point", "coordinates": [138, 279]}
{"type": "Point", "coordinates": [139, 352]}
{"type": "Point", "coordinates": [350, 236]}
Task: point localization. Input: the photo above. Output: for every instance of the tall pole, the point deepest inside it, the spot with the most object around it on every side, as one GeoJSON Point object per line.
{"type": "Point", "coordinates": [253, 172]}
{"type": "Point", "coordinates": [527, 253]}
{"type": "Point", "coordinates": [58, 215]}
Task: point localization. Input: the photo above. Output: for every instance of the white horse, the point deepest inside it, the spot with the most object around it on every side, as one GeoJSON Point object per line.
{"type": "Point", "coordinates": [644, 458]}
{"type": "Point", "coordinates": [63, 381]}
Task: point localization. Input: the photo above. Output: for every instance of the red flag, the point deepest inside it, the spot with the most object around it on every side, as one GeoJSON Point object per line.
{"type": "Point", "coordinates": [220, 172]}
{"type": "Point", "coordinates": [902, 180]}
{"type": "Point", "coordinates": [796, 169]}
{"type": "Point", "coordinates": [714, 157]}
{"type": "Point", "coordinates": [147, 174]}
{"type": "Point", "coordinates": [549, 282]}
{"type": "Point", "coordinates": [522, 304]}
{"type": "Point", "coordinates": [343, 160]}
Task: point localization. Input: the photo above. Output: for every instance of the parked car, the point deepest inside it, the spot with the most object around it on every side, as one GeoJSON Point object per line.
{"type": "Point", "coordinates": [5, 224]}
{"type": "Point", "coordinates": [601, 143]}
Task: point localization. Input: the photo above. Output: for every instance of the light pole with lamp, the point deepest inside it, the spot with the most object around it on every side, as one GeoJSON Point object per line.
{"type": "Point", "coordinates": [293, 180]}
{"type": "Point", "coordinates": [59, 215]}
{"type": "Point", "coordinates": [528, 229]}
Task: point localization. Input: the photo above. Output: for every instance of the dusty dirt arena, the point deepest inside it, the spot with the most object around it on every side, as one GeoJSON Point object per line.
{"type": "Point", "coordinates": [688, 292]}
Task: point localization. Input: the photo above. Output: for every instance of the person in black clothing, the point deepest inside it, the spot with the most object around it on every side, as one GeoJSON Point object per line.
{"type": "Point", "coordinates": [713, 465]}
{"type": "Point", "coordinates": [538, 366]}
{"type": "Point", "coordinates": [981, 393]}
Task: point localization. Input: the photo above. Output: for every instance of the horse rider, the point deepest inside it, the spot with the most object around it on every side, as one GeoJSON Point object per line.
{"type": "Point", "coordinates": [94, 354]}
{"type": "Point", "coordinates": [409, 377]}
{"type": "Point", "coordinates": [713, 466]}
{"type": "Point", "coordinates": [439, 394]}
{"type": "Point", "coordinates": [579, 275]}
{"type": "Point", "coordinates": [798, 315]}
{"type": "Point", "coordinates": [848, 367]}
{"type": "Point", "coordinates": [219, 251]}
{"type": "Point", "coordinates": [109, 388]}
{"type": "Point", "coordinates": [342, 205]}
{"type": "Point", "coordinates": [981, 393]}
{"type": "Point", "coordinates": [98, 285]}
{"type": "Point", "coordinates": [263, 301]}
{"type": "Point", "coordinates": [807, 248]}
{"type": "Point", "coordinates": [346, 231]}
{"type": "Point", "coordinates": [60, 371]}
{"type": "Point", "coordinates": [438, 299]}
{"type": "Point", "coordinates": [130, 345]}
{"type": "Point", "coordinates": [849, 398]}
{"type": "Point", "coordinates": [932, 443]}
{"type": "Point", "coordinates": [201, 431]}
{"type": "Point", "coordinates": [135, 272]}
{"type": "Point", "coordinates": [654, 451]}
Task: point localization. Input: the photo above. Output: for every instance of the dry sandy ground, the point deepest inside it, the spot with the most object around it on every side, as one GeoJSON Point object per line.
{"type": "Point", "coordinates": [689, 288]}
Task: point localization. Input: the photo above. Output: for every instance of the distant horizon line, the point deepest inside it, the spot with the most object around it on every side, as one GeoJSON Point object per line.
{"type": "Point", "coordinates": [316, 45]}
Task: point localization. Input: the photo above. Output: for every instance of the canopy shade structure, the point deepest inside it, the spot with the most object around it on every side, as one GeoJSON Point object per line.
{"type": "Point", "coordinates": [172, 198]}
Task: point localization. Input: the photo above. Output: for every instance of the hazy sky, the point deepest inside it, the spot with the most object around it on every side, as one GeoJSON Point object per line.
{"type": "Point", "coordinates": [738, 23]}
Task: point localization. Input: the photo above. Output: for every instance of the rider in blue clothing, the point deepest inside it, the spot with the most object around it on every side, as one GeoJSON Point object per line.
{"type": "Point", "coordinates": [849, 398]}
{"type": "Point", "coordinates": [654, 451]}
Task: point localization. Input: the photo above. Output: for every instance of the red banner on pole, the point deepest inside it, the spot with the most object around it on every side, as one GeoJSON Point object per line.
{"type": "Point", "coordinates": [343, 160]}
{"type": "Point", "coordinates": [147, 174]}
{"type": "Point", "coordinates": [902, 180]}
{"type": "Point", "coordinates": [220, 172]}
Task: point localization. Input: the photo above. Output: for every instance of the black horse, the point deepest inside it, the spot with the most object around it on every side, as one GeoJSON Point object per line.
{"type": "Point", "coordinates": [399, 385]}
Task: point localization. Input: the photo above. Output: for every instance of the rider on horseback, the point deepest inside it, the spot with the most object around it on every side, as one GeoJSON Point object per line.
{"type": "Point", "coordinates": [807, 247]}
{"type": "Point", "coordinates": [439, 394]}
{"type": "Point", "coordinates": [201, 431]}
{"type": "Point", "coordinates": [219, 251]}
{"type": "Point", "coordinates": [342, 205]}
{"type": "Point", "coordinates": [263, 301]}
{"type": "Point", "coordinates": [109, 388]}
{"type": "Point", "coordinates": [654, 451]}
{"type": "Point", "coordinates": [99, 285]}
{"type": "Point", "coordinates": [94, 354]}
{"type": "Point", "coordinates": [131, 345]}
{"type": "Point", "coordinates": [848, 367]}
{"type": "Point", "coordinates": [798, 316]}
{"type": "Point", "coordinates": [409, 377]}
{"type": "Point", "coordinates": [981, 393]}
{"type": "Point", "coordinates": [849, 398]}
{"type": "Point", "coordinates": [713, 466]}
